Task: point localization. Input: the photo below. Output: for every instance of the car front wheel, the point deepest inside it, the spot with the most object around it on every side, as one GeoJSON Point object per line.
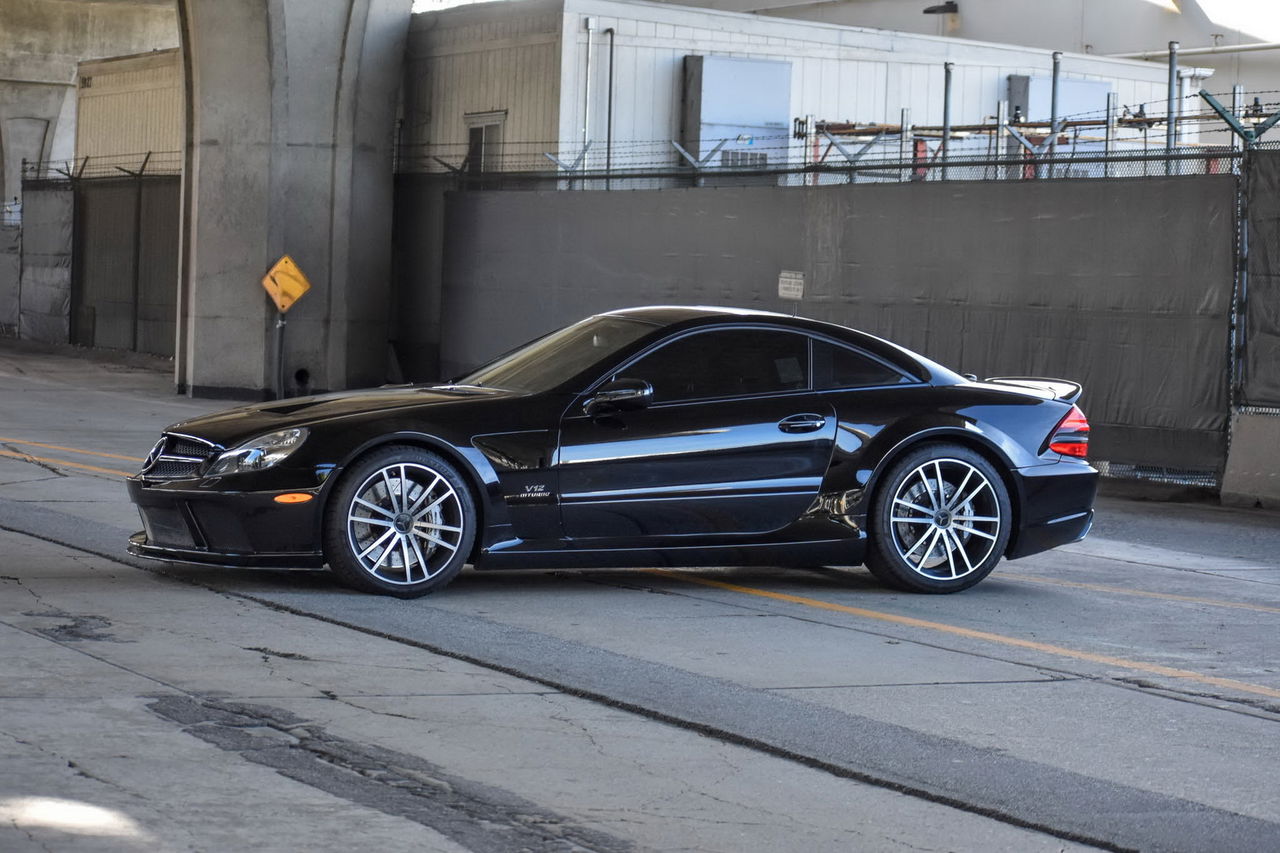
{"type": "Point", "coordinates": [401, 522]}
{"type": "Point", "coordinates": [940, 521]}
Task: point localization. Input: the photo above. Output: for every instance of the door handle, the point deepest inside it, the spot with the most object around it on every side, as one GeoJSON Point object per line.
{"type": "Point", "coordinates": [802, 423]}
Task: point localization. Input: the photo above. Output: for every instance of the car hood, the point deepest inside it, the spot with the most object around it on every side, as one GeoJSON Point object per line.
{"type": "Point", "coordinates": [232, 426]}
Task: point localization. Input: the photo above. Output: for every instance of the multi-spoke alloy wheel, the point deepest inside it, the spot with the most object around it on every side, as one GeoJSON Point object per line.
{"type": "Point", "coordinates": [940, 521]}
{"type": "Point", "coordinates": [401, 522]}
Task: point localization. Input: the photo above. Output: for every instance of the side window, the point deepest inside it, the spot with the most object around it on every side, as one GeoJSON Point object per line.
{"type": "Point", "coordinates": [840, 367]}
{"type": "Point", "coordinates": [724, 363]}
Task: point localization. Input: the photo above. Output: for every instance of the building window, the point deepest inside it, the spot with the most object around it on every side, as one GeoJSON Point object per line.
{"type": "Point", "coordinates": [484, 141]}
{"type": "Point", "coordinates": [744, 159]}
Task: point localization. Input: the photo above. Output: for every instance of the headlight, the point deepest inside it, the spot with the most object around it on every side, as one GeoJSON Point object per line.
{"type": "Point", "coordinates": [258, 453]}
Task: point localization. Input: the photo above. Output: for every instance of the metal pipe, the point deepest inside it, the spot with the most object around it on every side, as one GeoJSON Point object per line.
{"type": "Point", "coordinates": [1109, 145]}
{"type": "Point", "coordinates": [1203, 51]}
{"type": "Point", "coordinates": [1053, 109]}
{"type": "Point", "coordinates": [586, 98]}
{"type": "Point", "coordinates": [137, 250]}
{"type": "Point", "coordinates": [1171, 120]}
{"type": "Point", "coordinates": [1002, 125]}
{"type": "Point", "coordinates": [1237, 107]}
{"type": "Point", "coordinates": [608, 145]}
{"type": "Point", "coordinates": [904, 140]}
{"type": "Point", "coordinates": [946, 114]}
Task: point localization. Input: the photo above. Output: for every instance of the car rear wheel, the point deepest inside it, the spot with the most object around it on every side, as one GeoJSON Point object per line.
{"type": "Point", "coordinates": [940, 521]}
{"type": "Point", "coordinates": [401, 522]}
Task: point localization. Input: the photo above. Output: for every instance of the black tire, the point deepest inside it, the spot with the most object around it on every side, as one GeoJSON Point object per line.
{"type": "Point", "coordinates": [938, 539]}
{"type": "Point", "coordinates": [400, 522]}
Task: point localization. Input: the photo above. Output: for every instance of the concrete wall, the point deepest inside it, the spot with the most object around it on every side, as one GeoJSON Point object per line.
{"type": "Point", "coordinates": [41, 42]}
{"type": "Point", "coordinates": [293, 105]}
{"type": "Point", "coordinates": [1252, 477]}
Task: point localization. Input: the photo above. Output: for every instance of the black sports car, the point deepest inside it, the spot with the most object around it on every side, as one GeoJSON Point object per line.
{"type": "Point", "coordinates": [662, 436]}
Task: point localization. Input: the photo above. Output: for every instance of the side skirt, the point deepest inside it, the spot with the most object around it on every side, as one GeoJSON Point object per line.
{"type": "Point", "coordinates": [838, 552]}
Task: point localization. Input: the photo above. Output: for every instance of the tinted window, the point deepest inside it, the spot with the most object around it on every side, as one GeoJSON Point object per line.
{"type": "Point", "coordinates": [839, 367]}
{"type": "Point", "coordinates": [725, 363]}
{"type": "Point", "coordinates": [545, 363]}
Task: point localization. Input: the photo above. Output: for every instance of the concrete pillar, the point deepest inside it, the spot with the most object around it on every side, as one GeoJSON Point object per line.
{"type": "Point", "coordinates": [1250, 478]}
{"type": "Point", "coordinates": [291, 111]}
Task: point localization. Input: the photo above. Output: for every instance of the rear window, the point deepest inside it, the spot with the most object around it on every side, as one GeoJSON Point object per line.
{"type": "Point", "coordinates": [835, 366]}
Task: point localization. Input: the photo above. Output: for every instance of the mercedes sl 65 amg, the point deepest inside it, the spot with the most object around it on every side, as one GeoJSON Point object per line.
{"type": "Point", "coordinates": [659, 436]}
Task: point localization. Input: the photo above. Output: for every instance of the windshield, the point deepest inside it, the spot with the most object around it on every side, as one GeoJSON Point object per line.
{"type": "Point", "coordinates": [543, 364]}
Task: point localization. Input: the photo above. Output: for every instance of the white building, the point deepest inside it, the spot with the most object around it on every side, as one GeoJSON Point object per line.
{"type": "Point", "coordinates": [1239, 39]}
{"type": "Point", "coordinates": [501, 85]}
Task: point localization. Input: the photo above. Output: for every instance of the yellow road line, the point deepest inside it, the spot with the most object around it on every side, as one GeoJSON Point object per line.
{"type": "Point", "coordinates": [1046, 648]}
{"type": "Point", "coordinates": [61, 463]}
{"type": "Point", "coordinates": [4, 440]}
{"type": "Point", "coordinates": [1167, 596]}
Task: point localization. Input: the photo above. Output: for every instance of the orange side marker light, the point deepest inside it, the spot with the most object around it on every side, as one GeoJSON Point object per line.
{"type": "Point", "coordinates": [293, 498]}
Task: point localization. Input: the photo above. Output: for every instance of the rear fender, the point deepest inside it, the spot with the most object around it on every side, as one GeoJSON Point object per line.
{"type": "Point", "coordinates": [892, 445]}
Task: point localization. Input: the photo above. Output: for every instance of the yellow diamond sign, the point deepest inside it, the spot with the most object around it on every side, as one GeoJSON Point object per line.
{"type": "Point", "coordinates": [285, 283]}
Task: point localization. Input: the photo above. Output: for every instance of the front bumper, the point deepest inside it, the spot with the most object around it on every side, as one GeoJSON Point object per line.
{"type": "Point", "coordinates": [189, 521]}
{"type": "Point", "coordinates": [139, 547]}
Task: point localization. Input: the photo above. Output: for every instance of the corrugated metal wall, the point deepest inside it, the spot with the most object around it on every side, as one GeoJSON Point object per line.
{"type": "Point", "coordinates": [130, 105]}
{"type": "Point", "coordinates": [508, 63]}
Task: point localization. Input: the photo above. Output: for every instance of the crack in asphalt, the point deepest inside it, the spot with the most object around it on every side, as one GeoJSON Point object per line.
{"type": "Point", "coordinates": [475, 815]}
{"type": "Point", "coordinates": [22, 456]}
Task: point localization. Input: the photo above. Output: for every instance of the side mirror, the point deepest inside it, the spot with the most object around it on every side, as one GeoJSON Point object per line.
{"type": "Point", "coordinates": [620, 395]}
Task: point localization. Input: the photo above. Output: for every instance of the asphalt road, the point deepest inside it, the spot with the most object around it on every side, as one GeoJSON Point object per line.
{"type": "Point", "coordinates": [1122, 693]}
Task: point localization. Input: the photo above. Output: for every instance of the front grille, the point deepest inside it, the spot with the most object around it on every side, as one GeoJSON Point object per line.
{"type": "Point", "coordinates": [177, 457]}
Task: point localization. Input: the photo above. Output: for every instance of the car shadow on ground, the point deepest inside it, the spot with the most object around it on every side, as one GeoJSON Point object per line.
{"type": "Point", "coordinates": [809, 581]}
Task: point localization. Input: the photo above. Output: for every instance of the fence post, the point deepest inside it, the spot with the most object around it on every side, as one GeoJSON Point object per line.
{"type": "Point", "coordinates": [1171, 120]}
{"type": "Point", "coordinates": [1109, 144]}
{"type": "Point", "coordinates": [137, 250]}
{"type": "Point", "coordinates": [904, 143]}
{"type": "Point", "coordinates": [1240, 303]}
{"type": "Point", "coordinates": [1053, 113]}
{"type": "Point", "coordinates": [946, 114]}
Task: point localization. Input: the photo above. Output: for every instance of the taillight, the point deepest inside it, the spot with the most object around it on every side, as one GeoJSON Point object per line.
{"type": "Point", "coordinates": [1071, 436]}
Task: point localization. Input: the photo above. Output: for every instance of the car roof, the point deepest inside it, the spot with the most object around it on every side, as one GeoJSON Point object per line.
{"type": "Point", "coordinates": [692, 316]}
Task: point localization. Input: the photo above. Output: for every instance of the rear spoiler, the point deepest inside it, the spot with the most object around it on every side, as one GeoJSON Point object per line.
{"type": "Point", "coordinates": [1061, 389]}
